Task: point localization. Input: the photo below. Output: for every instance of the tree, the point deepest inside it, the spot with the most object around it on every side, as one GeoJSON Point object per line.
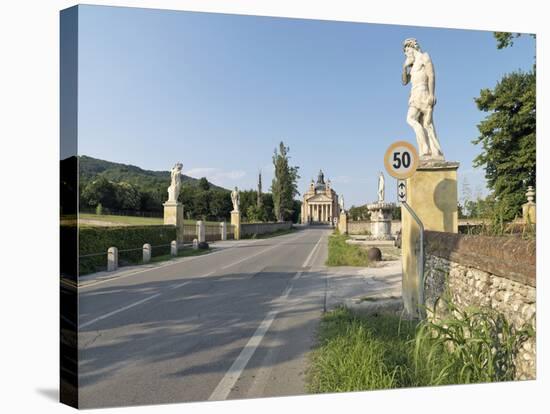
{"type": "Point", "coordinates": [284, 185]}
{"type": "Point", "coordinates": [127, 196]}
{"type": "Point", "coordinates": [204, 184]}
{"type": "Point", "coordinates": [508, 138]}
{"type": "Point", "coordinates": [100, 191]}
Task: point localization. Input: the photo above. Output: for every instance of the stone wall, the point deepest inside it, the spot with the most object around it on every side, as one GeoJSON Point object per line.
{"type": "Point", "coordinates": [495, 272]}
{"type": "Point", "coordinates": [248, 229]}
{"type": "Point", "coordinates": [364, 226]}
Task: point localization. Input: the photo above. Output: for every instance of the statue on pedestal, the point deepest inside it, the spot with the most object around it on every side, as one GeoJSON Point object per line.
{"type": "Point", "coordinates": [235, 199]}
{"type": "Point", "coordinates": [381, 187]}
{"type": "Point", "coordinates": [341, 203]}
{"type": "Point", "coordinates": [419, 71]}
{"type": "Point", "coordinates": [175, 184]}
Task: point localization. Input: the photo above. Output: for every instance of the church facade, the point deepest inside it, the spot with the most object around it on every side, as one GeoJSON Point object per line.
{"type": "Point", "coordinates": [320, 203]}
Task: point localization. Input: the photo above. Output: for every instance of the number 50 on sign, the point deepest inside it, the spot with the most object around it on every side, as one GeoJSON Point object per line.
{"type": "Point", "coordinates": [401, 160]}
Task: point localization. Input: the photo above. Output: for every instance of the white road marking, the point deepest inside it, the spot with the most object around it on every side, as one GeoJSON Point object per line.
{"type": "Point", "coordinates": [107, 315]}
{"type": "Point", "coordinates": [258, 253]}
{"type": "Point", "coordinates": [224, 387]}
{"type": "Point", "coordinates": [139, 302]}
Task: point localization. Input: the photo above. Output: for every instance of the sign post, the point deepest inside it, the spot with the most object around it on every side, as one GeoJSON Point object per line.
{"type": "Point", "coordinates": [401, 160]}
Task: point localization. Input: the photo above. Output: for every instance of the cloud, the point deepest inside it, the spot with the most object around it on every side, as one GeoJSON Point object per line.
{"type": "Point", "coordinates": [215, 175]}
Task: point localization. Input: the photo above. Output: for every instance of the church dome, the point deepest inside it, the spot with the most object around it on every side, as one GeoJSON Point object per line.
{"type": "Point", "coordinates": [320, 185]}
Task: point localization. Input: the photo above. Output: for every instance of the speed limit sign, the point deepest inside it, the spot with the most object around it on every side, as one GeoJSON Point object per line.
{"type": "Point", "coordinates": [401, 160]}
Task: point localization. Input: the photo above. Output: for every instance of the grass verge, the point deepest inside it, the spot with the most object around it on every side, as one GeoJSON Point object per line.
{"type": "Point", "coordinates": [380, 352]}
{"type": "Point", "coordinates": [341, 253]}
{"type": "Point", "coordinates": [269, 235]}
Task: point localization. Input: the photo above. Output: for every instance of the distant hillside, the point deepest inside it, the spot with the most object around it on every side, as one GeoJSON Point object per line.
{"type": "Point", "coordinates": [93, 168]}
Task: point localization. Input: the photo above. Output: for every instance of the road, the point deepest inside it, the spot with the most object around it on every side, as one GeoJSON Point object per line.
{"type": "Point", "coordinates": [237, 323]}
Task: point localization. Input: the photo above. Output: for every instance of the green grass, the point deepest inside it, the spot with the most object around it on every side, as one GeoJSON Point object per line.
{"type": "Point", "coordinates": [269, 235]}
{"type": "Point", "coordinates": [131, 220]}
{"type": "Point", "coordinates": [127, 220]}
{"type": "Point", "coordinates": [185, 252]}
{"type": "Point", "coordinates": [380, 352]}
{"type": "Point", "coordinates": [357, 354]}
{"type": "Point", "coordinates": [341, 253]}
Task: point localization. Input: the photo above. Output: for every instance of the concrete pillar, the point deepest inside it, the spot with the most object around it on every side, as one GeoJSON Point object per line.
{"type": "Point", "coordinates": [112, 259]}
{"type": "Point", "coordinates": [223, 230]}
{"type": "Point", "coordinates": [174, 248]}
{"type": "Point", "coordinates": [236, 223]}
{"type": "Point", "coordinates": [146, 253]}
{"type": "Point", "coordinates": [173, 215]}
{"type": "Point", "coordinates": [432, 194]}
{"type": "Point", "coordinates": [201, 231]}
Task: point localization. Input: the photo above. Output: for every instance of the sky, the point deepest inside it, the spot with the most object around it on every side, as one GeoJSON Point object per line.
{"type": "Point", "coordinates": [218, 93]}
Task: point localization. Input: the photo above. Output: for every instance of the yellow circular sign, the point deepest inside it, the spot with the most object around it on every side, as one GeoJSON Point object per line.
{"type": "Point", "coordinates": [401, 160]}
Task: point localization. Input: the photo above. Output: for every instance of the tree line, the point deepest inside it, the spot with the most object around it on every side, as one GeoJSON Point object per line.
{"type": "Point", "coordinates": [201, 199]}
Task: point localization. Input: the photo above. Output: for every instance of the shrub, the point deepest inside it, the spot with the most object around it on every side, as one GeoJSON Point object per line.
{"type": "Point", "coordinates": [341, 253]}
{"type": "Point", "coordinates": [98, 239]}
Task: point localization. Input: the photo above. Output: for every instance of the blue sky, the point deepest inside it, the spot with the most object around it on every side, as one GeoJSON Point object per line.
{"type": "Point", "coordinates": [218, 92]}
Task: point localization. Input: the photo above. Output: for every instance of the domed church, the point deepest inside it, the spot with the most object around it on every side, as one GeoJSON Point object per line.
{"type": "Point", "coordinates": [320, 204]}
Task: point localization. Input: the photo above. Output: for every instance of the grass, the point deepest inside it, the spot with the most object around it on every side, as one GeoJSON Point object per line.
{"type": "Point", "coordinates": [185, 252]}
{"type": "Point", "coordinates": [269, 235]}
{"type": "Point", "coordinates": [130, 220]}
{"type": "Point", "coordinates": [380, 352]}
{"type": "Point", "coordinates": [341, 253]}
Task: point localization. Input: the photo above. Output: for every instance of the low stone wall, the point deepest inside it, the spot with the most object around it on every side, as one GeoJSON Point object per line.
{"type": "Point", "coordinates": [364, 227]}
{"type": "Point", "coordinates": [248, 229]}
{"type": "Point", "coordinates": [495, 272]}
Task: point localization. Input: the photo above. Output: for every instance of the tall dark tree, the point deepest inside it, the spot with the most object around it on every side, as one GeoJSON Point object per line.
{"type": "Point", "coordinates": [285, 184]}
{"type": "Point", "coordinates": [508, 138]}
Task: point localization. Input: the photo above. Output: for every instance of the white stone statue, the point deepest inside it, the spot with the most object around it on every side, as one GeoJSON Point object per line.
{"type": "Point", "coordinates": [341, 203]}
{"type": "Point", "coordinates": [381, 187]}
{"type": "Point", "coordinates": [235, 199]}
{"type": "Point", "coordinates": [419, 71]}
{"type": "Point", "coordinates": [175, 183]}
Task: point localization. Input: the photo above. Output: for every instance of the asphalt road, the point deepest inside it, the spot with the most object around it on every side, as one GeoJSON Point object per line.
{"type": "Point", "coordinates": [237, 323]}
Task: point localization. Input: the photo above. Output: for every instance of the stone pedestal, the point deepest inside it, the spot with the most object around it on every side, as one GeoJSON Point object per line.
{"type": "Point", "coordinates": [236, 223]}
{"type": "Point", "coordinates": [343, 223]}
{"type": "Point", "coordinates": [173, 214]}
{"type": "Point", "coordinates": [380, 217]}
{"type": "Point", "coordinates": [432, 193]}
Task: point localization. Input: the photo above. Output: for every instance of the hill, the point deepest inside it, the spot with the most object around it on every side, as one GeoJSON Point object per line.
{"type": "Point", "coordinates": [93, 168]}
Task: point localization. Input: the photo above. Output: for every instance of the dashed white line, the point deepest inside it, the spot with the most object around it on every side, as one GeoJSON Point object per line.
{"type": "Point", "coordinates": [224, 387]}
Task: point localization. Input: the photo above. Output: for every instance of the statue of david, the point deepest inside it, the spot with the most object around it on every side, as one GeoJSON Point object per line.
{"type": "Point", "coordinates": [235, 199]}
{"type": "Point", "coordinates": [175, 183]}
{"type": "Point", "coordinates": [381, 187]}
{"type": "Point", "coordinates": [419, 71]}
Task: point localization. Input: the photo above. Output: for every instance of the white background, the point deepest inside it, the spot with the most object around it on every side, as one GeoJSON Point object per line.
{"type": "Point", "coordinates": [29, 134]}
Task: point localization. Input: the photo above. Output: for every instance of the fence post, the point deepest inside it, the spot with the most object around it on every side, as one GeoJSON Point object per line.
{"type": "Point", "coordinates": [223, 230]}
{"type": "Point", "coordinates": [174, 248]}
{"type": "Point", "coordinates": [146, 253]}
{"type": "Point", "coordinates": [201, 231]}
{"type": "Point", "coordinates": [112, 259]}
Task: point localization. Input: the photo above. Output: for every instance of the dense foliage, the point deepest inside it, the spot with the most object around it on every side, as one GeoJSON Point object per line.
{"type": "Point", "coordinates": [508, 137]}
{"type": "Point", "coordinates": [383, 351]}
{"type": "Point", "coordinates": [107, 187]}
{"type": "Point", "coordinates": [285, 185]}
